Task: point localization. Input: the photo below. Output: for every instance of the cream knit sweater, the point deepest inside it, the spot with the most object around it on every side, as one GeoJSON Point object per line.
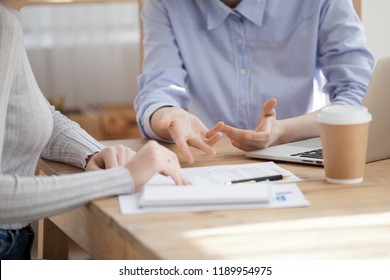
{"type": "Point", "coordinates": [30, 128]}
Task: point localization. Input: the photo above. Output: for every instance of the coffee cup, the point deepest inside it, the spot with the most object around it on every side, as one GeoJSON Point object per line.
{"type": "Point", "coordinates": [344, 137]}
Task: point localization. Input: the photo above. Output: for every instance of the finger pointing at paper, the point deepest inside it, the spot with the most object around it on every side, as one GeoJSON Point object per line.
{"type": "Point", "coordinates": [153, 158]}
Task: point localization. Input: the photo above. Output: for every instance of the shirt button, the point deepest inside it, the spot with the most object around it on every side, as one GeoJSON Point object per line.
{"type": "Point", "coordinates": [242, 71]}
{"type": "Point", "coordinates": [239, 41]}
{"type": "Point", "coordinates": [242, 102]}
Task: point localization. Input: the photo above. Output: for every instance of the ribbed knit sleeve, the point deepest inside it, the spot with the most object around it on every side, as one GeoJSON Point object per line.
{"type": "Point", "coordinates": [69, 143]}
{"type": "Point", "coordinates": [24, 199]}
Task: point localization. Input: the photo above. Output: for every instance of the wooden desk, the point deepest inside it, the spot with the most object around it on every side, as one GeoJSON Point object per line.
{"type": "Point", "coordinates": [342, 222]}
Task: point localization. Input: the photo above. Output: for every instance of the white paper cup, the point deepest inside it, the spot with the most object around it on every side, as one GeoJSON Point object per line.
{"type": "Point", "coordinates": [344, 136]}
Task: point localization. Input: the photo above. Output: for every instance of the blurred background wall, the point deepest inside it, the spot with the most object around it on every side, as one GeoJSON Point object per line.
{"type": "Point", "coordinates": [87, 53]}
{"type": "Point", "coordinates": [375, 16]}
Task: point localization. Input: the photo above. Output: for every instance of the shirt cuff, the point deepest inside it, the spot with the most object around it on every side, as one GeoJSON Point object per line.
{"type": "Point", "coordinates": [145, 123]}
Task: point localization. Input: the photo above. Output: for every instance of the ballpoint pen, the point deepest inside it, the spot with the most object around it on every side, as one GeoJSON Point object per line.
{"type": "Point", "coordinates": [257, 179]}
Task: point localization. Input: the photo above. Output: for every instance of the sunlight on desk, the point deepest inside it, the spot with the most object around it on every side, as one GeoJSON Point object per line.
{"type": "Point", "coordinates": [342, 222]}
{"type": "Point", "coordinates": [321, 238]}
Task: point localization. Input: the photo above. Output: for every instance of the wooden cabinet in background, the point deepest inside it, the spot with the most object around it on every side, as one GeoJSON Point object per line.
{"type": "Point", "coordinates": [119, 122]}
{"type": "Point", "coordinates": [108, 122]}
{"type": "Point", "coordinates": [90, 121]}
{"type": "Point", "coordinates": [358, 7]}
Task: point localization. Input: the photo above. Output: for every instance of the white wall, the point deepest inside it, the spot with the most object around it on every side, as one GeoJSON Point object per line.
{"type": "Point", "coordinates": [85, 54]}
{"type": "Point", "coordinates": [376, 19]}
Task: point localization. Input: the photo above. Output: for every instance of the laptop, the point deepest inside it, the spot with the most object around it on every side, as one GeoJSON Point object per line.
{"type": "Point", "coordinates": [377, 101]}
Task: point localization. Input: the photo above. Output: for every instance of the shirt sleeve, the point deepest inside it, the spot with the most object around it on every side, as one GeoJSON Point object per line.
{"type": "Point", "coordinates": [163, 80]}
{"type": "Point", "coordinates": [342, 54]}
{"type": "Point", "coordinates": [69, 143]}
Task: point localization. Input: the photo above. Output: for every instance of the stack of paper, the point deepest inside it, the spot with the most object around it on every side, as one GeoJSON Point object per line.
{"type": "Point", "coordinates": [209, 192]}
{"type": "Point", "coordinates": [160, 196]}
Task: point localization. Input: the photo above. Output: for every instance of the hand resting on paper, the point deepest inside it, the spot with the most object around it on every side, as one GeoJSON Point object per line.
{"type": "Point", "coordinates": [152, 158]}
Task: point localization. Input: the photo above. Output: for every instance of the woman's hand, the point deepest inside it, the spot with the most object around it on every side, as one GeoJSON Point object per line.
{"type": "Point", "coordinates": [110, 157]}
{"type": "Point", "coordinates": [153, 158]}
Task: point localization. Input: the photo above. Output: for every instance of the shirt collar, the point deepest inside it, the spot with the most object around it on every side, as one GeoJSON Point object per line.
{"type": "Point", "coordinates": [217, 12]}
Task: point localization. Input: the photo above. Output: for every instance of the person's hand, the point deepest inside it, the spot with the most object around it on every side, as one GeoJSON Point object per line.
{"type": "Point", "coordinates": [267, 133]}
{"type": "Point", "coordinates": [186, 130]}
{"type": "Point", "coordinates": [109, 157]}
{"type": "Point", "coordinates": [153, 158]}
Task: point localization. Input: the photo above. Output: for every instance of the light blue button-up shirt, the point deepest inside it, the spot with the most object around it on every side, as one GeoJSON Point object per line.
{"type": "Point", "coordinates": [223, 64]}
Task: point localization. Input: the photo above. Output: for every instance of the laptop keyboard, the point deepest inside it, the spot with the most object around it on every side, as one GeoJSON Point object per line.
{"type": "Point", "coordinates": [314, 154]}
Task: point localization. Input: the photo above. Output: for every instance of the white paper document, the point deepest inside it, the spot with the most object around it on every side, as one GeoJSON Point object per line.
{"type": "Point", "coordinates": [161, 196]}
{"type": "Point", "coordinates": [220, 174]}
{"type": "Point", "coordinates": [209, 191]}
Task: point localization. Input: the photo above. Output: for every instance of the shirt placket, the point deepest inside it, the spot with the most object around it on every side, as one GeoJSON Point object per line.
{"type": "Point", "coordinates": [242, 68]}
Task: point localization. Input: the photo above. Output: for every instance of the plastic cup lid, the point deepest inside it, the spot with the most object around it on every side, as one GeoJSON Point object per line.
{"type": "Point", "coordinates": [338, 114]}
